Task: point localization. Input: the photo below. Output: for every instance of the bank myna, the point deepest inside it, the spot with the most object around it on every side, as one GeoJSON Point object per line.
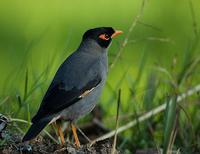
{"type": "Point", "coordinates": [77, 84]}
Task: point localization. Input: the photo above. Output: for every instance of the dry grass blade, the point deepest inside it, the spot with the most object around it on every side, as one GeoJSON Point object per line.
{"type": "Point", "coordinates": [192, 67]}
{"type": "Point", "coordinates": [169, 124]}
{"type": "Point", "coordinates": [172, 139]}
{"type": "Point", "coordinates": [147, 115]}
{"type": "Point", "coordinates": [136, 19]}
{"type": "Point", "coordinates": [167, 73]}
{"type": "Point", "coordinates": [4, 100]}
{"type": "Point", "coordinates": [85, 136]}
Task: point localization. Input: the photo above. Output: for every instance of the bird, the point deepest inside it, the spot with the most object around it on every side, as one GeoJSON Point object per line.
{"type": "Point", "coordinates": [76, 86]}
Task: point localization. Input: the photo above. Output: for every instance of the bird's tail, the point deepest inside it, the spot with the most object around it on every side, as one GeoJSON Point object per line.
{"type": "Point", "coordinates": [36, 128]}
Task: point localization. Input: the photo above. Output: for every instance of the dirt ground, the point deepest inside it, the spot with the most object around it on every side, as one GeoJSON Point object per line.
{"type": "Point", "coordinates": [10, 142]}
{"type": "Point", "coordinates": [44, 146]}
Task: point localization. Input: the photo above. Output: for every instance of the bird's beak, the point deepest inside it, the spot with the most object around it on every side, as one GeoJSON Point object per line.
{"type": "Point", "coordinates": [117, 32]}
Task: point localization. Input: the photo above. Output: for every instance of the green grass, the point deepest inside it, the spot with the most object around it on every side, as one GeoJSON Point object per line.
{"type": "Point", "coordinates": [159, 62]}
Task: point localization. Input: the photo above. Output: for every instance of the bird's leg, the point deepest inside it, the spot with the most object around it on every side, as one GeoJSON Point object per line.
{"type": "Point", "coordinates": [77, 143]}
{"type": "Point", "coordinates": [60, 133]}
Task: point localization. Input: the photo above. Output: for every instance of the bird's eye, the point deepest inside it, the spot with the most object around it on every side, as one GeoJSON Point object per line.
{"type": "Point", "coordinates": [104, 37]}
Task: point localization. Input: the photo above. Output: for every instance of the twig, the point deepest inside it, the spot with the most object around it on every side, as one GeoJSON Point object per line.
{"type": "Point", "coordinates": [87, 138]}
{"type": "Point", "coordinates": [136, 19]}
{"type": "Point", "coordinates": [147, 115]}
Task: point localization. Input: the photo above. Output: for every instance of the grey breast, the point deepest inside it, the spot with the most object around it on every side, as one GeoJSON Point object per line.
{"type": "Point", "coordinates": [85, 105]}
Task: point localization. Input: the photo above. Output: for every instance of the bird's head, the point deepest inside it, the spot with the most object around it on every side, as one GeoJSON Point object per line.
{"type": "Point", "coordinates": [102, 35]}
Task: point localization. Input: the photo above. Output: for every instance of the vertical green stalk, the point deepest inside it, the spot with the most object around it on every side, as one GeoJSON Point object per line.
{"type": "Point", "coordinates": [28, 115]}
{"type": "Point", "coordinates": [26, 85]}
{"type": "Point", "coordinates": [169, 123]}
{"type": "Point", "coordinates": [117, 123]}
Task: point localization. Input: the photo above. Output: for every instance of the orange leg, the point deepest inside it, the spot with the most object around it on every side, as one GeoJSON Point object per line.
{"type": "Point", "coordinates": [77, 143]}
{"type": "Point", "coordinates": [60, 133]}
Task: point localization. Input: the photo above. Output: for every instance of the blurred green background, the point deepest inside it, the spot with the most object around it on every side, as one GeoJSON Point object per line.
{"type": "Point", "coordinates": [37, 36]}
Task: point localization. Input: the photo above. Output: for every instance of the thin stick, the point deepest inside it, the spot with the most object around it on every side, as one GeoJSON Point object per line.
{"type": "Point", "coordinates": [136, 19]}
{"type": "Point", "coordinates": [147, 115]}
{"type": "Point", "coordinates": [87, 138]}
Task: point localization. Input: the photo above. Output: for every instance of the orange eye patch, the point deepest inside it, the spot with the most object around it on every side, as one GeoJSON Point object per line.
{"type": "Point", "coordinates": [104, 37]}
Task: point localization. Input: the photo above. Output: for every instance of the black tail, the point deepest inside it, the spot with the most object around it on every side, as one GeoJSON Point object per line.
{"type": "Point", "coordinates": [36, 128]}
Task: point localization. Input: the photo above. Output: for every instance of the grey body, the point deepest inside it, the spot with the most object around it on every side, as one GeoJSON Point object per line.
{"type": "Point", "coordinates": [90, 64]}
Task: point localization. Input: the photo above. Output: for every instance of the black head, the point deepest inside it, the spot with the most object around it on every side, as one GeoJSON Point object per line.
{"type": "Point", "coordinates": [102, 35]}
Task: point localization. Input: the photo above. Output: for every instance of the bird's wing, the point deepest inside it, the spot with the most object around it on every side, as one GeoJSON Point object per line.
{"type": "Point", "coordinates": [62, 93]}
{"type": "Point", "coordinates": [58, 98]}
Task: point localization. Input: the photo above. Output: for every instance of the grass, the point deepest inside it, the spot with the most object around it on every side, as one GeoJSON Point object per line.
{"type": "Point", "coordinates": [155, 68]}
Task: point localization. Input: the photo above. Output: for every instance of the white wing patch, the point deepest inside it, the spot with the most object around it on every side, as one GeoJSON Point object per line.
{"type": "Point", "coordinates": [54, 119]}
{"type": "Point", "coordinates": [85, 93]}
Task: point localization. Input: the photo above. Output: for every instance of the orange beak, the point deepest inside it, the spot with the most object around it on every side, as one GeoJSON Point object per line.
{"type": "Point", "coordinates": [117, 32]}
